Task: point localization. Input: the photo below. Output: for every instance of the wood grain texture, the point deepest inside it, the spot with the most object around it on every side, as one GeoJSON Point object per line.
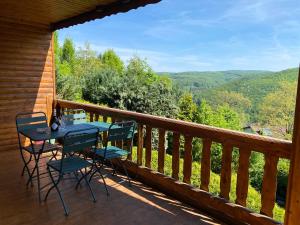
{"type": "Point", "coordinates": [161, 150]}
{"type": "Point", "coordinates": [140, 143]}
{"type": "Point", "coordinates": [269, 184]}
{"type": "Point", "coordinates": [61, 13]}
{"type": "Point", "coordinates": [242, 177]}
{"type": "Point", "coordinates": [225, 180]}
{"type": "Point", "coordinates": [27, 81]}
{"type": "Point", "coordinates": [187, 161]}
{"type": "Point", "coordinates": [148, 144]}
{"type": "Point", "coordinates": [176, 155]}
{"type": "Point", "coordinates": [205, 164]}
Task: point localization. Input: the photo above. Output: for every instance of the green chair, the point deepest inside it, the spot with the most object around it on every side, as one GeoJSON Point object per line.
{"type": "Point", "coordinates": [70, 163]}
{"type": "Point", "coordinates": [33, 121]}
{"type": "Point", "coordinates": [73, 116]}
{"type": "Point", "coordinates": [121, 132]}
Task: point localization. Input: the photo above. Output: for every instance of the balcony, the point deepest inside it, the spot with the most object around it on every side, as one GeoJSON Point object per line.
{"type": "Point", "coordinates": [27, 83]}
{"type": "Point", "coordinates": [199, 197]}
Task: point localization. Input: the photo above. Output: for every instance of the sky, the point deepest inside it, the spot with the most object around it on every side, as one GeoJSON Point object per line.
{"type": "Point", "coordinates": [200, 35]}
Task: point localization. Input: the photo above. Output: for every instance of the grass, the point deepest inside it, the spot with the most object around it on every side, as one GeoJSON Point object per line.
{"type": "Point", "coordinates": [253, 198]}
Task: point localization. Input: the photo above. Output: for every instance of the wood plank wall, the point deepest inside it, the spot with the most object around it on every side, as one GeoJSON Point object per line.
{"type": "Point", "coordinates": [26, 75]}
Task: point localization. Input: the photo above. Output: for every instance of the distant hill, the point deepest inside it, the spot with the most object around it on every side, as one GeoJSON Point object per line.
{"type": "Point", "coordinates": [252, 84]}
{"type": "Point", "coordinates": [255, 87]}
{"type": "Point", "coordinates": [195, 81]}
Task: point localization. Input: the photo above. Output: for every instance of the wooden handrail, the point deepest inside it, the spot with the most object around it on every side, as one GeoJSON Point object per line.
{"type": "Point", "coordinates": [185, 132]}
{"type": "Point", "coordinates": [278, 147]}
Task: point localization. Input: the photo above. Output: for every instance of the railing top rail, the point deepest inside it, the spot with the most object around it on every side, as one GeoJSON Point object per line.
{"type": "Point", "coordinates": [267, 145]}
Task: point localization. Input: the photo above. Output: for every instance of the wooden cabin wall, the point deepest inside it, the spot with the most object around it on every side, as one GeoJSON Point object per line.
{"type": "Point", "coordinates": [27, 76]}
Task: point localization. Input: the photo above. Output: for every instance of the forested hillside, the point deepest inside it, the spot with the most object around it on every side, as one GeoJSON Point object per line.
{"type": "Point", "coordinates": [196, 81]}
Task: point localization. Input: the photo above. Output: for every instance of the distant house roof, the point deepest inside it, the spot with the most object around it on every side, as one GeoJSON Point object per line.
{"type": "Point", "coordinates": [62, 13]}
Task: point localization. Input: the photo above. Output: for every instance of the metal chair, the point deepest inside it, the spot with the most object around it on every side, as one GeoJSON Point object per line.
{"type": "Point", "coordinates": [118, 132]}
{"type": "Point", "coordinates": [71, 163]}
{"type": "Point", "coordinates": [34, 149]}
{"type": "Point", "coordinates": [73, 116]}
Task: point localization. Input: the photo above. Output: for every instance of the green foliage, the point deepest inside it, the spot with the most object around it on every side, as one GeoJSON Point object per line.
{"type": "Point", "coordinates": [187, 108]}
{"type": "Point", "coordinates": [68, 51]}
{"type": "Point", "coordinates": [112, 61]}
{"type": "Point", "coordinates": [138, 91]}
{"type": "Point", "coordinates": [278, 107]}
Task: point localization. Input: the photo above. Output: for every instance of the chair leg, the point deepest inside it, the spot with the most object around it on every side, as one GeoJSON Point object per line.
{"type": "Point", "coordinates": [98, 169]}
{"type": "Point", "coordinates": [88, 184]}
{"type": "Point", "coordinates": [36, 159]}
{"type": "Point", "coordinates": [55, 185]}
{"type": "Point", "coordinates": [25, 167]}
{"type": "Point", "coordinates": [93, 173]}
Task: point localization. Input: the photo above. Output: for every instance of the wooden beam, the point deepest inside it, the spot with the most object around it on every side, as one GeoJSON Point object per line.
{"type": "Point", "coordinates": [292, 207]}
{"type": "Point", "coordinates": [263, 144]}
{"type": "Point", "coordinates": [102, 11]}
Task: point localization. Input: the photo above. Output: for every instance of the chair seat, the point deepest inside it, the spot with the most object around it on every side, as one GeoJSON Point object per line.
{"type": "Point", "coordinates": [112, 152]}
{"type": "Point", "coordinates": [48, 147]}
{"type": "Point", "coordinates": [70, 164]}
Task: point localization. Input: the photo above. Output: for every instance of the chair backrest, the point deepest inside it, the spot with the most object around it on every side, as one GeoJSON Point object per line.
{"type": "Point", "coordinates": [73, 116]}
{"type": "Point", "coordinates": [31, 121]}
{"type": "Point", "coordinates": [80, 140]}
{"type": "Point", "coordinates": [121, 131]}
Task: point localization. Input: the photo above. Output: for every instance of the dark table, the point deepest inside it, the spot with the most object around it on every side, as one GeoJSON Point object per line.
{"type": "Point", "coordinates": [48, 134]}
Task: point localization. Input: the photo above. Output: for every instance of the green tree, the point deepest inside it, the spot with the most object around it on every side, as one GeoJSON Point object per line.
{"type": "Point", "coordinates": [110, 59]}
{"type": "Point", "coordinates": [278, 108]}
{"type": "Point", "coordinates": [68, 51]}
{"type": "Point", "coordinates": [187, 108]}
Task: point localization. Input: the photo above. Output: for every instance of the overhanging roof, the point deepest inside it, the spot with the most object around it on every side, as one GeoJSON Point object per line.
{"type": "Point", "coordinates": [64, 13]}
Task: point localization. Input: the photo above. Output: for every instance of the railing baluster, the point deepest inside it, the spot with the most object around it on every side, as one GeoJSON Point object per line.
{"type": "Point", "coordinates": [104, 118]}
{"type": "Point", "coordinates": [225, 181]}
{"type": "Point", "coordinates": [187, 163]}
{"type": "Point", "coordinates": [161, 150]}
{"type": "Point", "coordinates": [148, 143]}
{"type": "Point", "coordinates": [140, 145]}
{"type": "Point", "coordinates": [175, 155]}
{"type": "Point", "coordinates": [113, 120]}
{"type": "Point", "coordinates": [91, 117]}
{"type": "Point", "coordinates": [268, 192]}
{"type": "Point", "coordinates": [243, 177]}
{"type": "Point", "coordinates": [205, 164]}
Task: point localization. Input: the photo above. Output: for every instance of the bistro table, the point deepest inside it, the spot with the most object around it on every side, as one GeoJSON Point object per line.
{"type": "Point", "coordinates": [47, 134]}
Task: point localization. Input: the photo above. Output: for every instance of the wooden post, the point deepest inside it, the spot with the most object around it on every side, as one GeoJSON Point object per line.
{"type": "Point", "coordinates": [292, 213]}
{"type": "Point", "coordinates": [205, 164]}
{"type": "Point", "coordinates": [243, 177]}
{"type": "Point", "coordinates": [269, 185]}
{"type": "Point", "coordinates": [140, 145]}
{"type": "Point", "coordinates": [161, 150]}
{"type": "Point", "coordinates": [175, 155]}
{"type": "Point", "coordinates": [148, 143]}
{"type": "Point", "coordinates": [188, 159]}
{"type": "Point", "coordinates": [225, 180]}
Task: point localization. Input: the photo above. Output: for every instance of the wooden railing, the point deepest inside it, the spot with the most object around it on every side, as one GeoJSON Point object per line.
{"type": "Point", "coordinates": [273, 149]}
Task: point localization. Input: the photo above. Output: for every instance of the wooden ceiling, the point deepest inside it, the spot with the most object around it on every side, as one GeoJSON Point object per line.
{"type": "Point", "coordinates": [63, 13]}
